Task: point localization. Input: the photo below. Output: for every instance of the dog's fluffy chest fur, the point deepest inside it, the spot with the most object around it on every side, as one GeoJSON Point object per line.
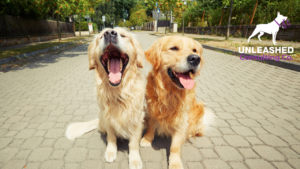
{"type": "Point", "coordinates": [168, 106]}
{"type": "Point", "coordinates": [121, 107]}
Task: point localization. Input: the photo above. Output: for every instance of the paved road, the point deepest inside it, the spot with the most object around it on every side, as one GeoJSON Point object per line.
{"type": "Point", "coordinates": [258, 109]}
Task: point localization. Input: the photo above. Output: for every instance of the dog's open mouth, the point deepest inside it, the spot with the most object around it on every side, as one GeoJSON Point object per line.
{"type": "Point", "coordinates": [114, 63]}
{"type": "Point", "coordinates": [183, 80]}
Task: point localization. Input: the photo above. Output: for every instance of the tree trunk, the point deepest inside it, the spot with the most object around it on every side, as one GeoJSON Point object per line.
{"type": "Point", "coordinates": [229, 19]}
{"type": "Point", "coordinates": [253, 12]}
{"type": "Point", "coordinates": [79, 26]}
{"type": "Point", "coordinates": [202, 18]}
{"type": "Point", "coordinates": [58, 27]}
{"type": "Point", "coordinates": [221, 17]}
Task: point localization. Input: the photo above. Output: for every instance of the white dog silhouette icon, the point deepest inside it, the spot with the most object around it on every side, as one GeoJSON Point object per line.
{"type": "Point", "coordinates": [270, 28]}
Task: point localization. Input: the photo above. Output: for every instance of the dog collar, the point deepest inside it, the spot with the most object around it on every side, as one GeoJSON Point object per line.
{"type": "Point", "coordinates": [277, 22]}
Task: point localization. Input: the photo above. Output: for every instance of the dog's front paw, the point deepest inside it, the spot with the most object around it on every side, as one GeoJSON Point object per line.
{"type": "Point", "coordinates": [110, 156]}
{"type": "Point", "coordinates": [176, 165]}
{"type": "Point", "coordinates": [145, 143]}
{"type": "Point", "coordinates": [135, 164]}
{"type": "Point", "coordinates": [175, 162]}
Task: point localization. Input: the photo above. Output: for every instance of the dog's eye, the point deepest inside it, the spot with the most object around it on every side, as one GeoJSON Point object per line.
{"type": "Point", "coordinates": [174, 48]}
{"type": "Point", "coordinates": [123, 36]}
{"type": "Point", "coordinates": [194, 50]}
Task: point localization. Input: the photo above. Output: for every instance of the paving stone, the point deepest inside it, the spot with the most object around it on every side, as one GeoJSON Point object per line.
{"type": "Point", "coordinates": [190, 153]}
{"type": "Point", "coordinates": [249, 122]}
{"type": "Point", "coordinates": [219, 141]}
{"type": "Point", "coordinates": [23, 154]}
{"type": "Point", "coordinates": [213, 133]}
{"type": "Point", "coordinates": [149, 154]}
{"type": "Point", "coordinates": [97, 165]}
{"type": "Point", "coordinates": [16, 143]}
{"type": "Point", "coordinates": [46, 125]}
{"type": "Point", "coordinates": [226, 116]}
{"type": "Point", "coordinates": [32, 143]}
{"type": "Point", "coordinates": [222, 123]}
{"type": "Point", "coordinates": [248, 153]}
{"type": "Point", "coordinates": [63, 143]}
{"type": "Point", "coordinates": [150, 165]}
{"type": "Point", "coordinates": [236, 141]}
{"type": "Point", "coordinates": [272, 140]}
{"type": "Point", "coordinates": [76, 155]}
{"type": "Point", "coordinates": [124, 164]}
{"type": "Point", "coordinates": [259, 130]}
{"type": "Point", "coordinates": [7, 154]}
{"type": "Point", "coordinates": [40, 154]}
{"type": "Point", "coordinates": [278, 131]}
{"type": "Point", "coordinates": [228, 153]}
{"type": "Point", "coordinates": [288, 153]}
{"type": "Point", "coordinates": [47, 143]}
{"type": "Point", "coordinates": [254, 140]}
{"type": "Point", "coordinates": [54, 133]}
{"type": "Point", "coordinates": [208, 153]}
{"type": "Point", "coordinates": [96, 154]}
{"type": "Point", "coordinates": [14, 164]}
{"type": "Point", "coordinates": [96, 142]}
{"type": "Point", "coordinates": [268, 153]}
{"type": "Point", "coordinates": [33, 165]}
{"type": "Point", "coordinates": [39, 119]}
{"type": "Point", "coordinates": [294, 162]}
{"type": "Point", "coordinates": [4, 142]}
{"type": "Point", "coordinates": [243, 131]}
{"type": "Point", "coordinates": [282, 165]}
{"type": "Point", "coordinates": [195, 165]}
{"type": "Point", "coordinates": [58, 154]}
{"type": "Point", "coordinates": [26, 133]}
{"type": "Point", "coordinates": [71, 166]}
{"type": "Point", "coordinates": [258, 163]}
{"type": "Point", "coordinates": [215, 164]}
{"type": "Point", "coordinates": [296, 148]}
{"type": "Point", "coordinates": [254, 115]}
{"type": "Point", "coordinates": [238, 165]}
{"type": "Point", "coordinates": [52, 164]}
{"type": "Point", "coordinates": [226, 131]}
{"type": "Point", "coordinates": [201, 142]}
{"type": "Point", "coordinates": [233, 122]}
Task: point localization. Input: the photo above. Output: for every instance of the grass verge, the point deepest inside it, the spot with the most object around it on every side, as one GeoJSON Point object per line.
{"type": "Point", "coordinates": [13, 52]}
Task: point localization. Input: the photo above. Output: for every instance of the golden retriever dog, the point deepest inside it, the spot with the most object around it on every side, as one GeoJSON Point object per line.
{"type": "Point", "coordinates": [116, 57]}
{"type": "Point", "coordinates": [171, 104]}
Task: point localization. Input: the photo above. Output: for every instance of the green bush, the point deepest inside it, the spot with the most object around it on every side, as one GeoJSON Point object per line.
{"type": "Point", "coordinates": [83, 25]}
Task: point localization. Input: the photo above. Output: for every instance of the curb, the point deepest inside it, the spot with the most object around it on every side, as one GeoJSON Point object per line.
{"type": "Point", "coordinates": [13, 58]}
{"type": "Point", "coordinates": [281, 63]}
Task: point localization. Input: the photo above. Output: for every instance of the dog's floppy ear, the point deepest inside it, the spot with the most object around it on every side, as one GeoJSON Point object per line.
{"type": "Point", "coordinates": [139, 53]}
{"type": "Point", "coordinates": [91, 54]}
{"type": "Point", "coordinates": [153, 54]}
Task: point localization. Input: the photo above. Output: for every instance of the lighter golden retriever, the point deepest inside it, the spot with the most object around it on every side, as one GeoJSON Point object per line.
{"type": "Point", "coordinates": [117, 58]}
{"type": "Point", "coordinates": [172, 108]}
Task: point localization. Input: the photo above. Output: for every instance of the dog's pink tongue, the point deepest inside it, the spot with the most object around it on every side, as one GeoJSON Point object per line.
{"type": "Point", "coordinates": [114, 73]}
{"type": "Point", "coordinates": [186, 81]}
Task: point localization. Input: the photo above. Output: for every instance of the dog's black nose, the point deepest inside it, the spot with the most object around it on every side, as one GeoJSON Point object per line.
{"type": "Point", "coordinates": [194, 60]}
{"type": "Point", "coordinates": [110, 36]}
{"type": "Point", "coordinates": [110, 33]}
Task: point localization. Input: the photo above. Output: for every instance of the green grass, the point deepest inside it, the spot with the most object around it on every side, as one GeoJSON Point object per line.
{"type": "Point", "coordinates": [13, 52]}
{"type": "Point", "coordinates": [208, 39]}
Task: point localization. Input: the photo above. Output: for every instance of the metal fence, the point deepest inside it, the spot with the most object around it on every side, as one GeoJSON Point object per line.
{"type": "Point", "coordinates": [19, 27]}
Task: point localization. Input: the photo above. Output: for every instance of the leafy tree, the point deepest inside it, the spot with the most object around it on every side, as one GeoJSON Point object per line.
{"type": "Point", "coordinates": [138, 15]}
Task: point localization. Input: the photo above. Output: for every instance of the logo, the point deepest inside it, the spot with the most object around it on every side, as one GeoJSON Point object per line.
{"type": "Point", "coordinates": [271, 28]}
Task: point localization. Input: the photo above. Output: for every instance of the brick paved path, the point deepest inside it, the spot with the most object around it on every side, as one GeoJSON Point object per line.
{"type": "Point", "coordinates": [258, 109]}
